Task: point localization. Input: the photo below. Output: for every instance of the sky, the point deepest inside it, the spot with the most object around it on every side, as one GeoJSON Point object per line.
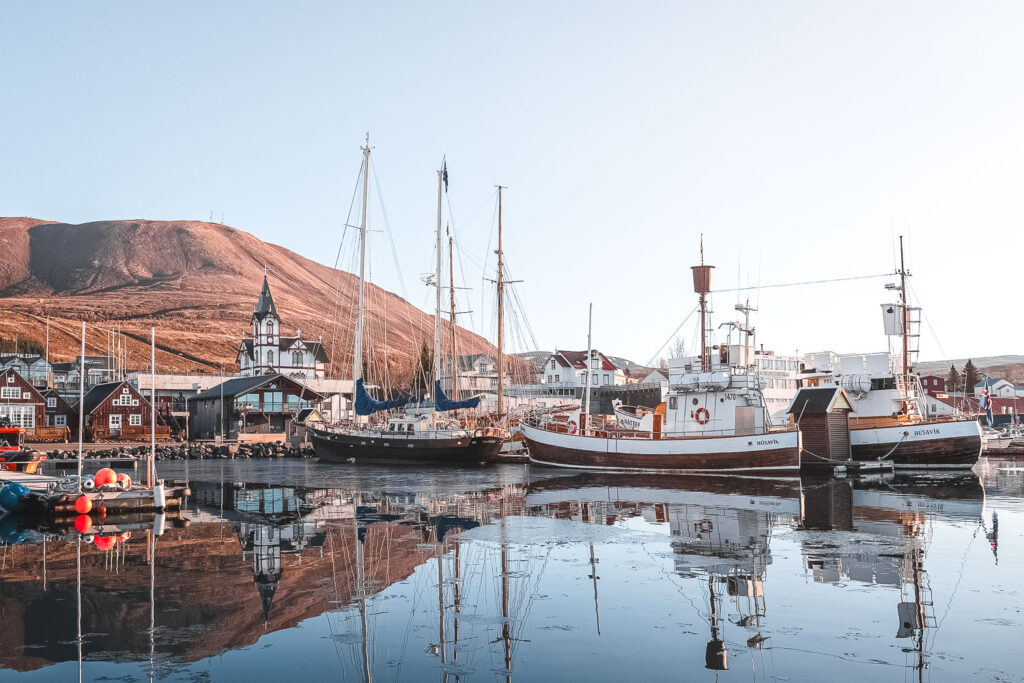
{"type": "Point", "coordinates": [799, 138]}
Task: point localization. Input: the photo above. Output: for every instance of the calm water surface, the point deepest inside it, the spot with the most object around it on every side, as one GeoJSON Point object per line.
{"type": "Point", "coordinates": [299, 571]}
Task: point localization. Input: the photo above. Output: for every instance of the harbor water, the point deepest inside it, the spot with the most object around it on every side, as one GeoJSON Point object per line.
{"type": "Point", "coordinates": [295, 570]}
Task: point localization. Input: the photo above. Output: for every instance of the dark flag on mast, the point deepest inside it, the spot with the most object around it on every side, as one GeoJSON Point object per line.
{"type": "Point", "coordinates": [444, 174]}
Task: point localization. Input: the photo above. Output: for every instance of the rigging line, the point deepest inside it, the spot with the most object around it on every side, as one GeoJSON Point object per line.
{"type": "Point", "coordinates": [798, 284]}
{"type": "Point", "coordinates": [672, 336]}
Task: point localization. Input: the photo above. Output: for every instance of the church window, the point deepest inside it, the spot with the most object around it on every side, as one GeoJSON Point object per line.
{"type": "Point", "coordinates": [270, 357]}
{"type": "Point", "coordinates": [297, 359]}
{"type": "Point", "coordinates": [270, 327]}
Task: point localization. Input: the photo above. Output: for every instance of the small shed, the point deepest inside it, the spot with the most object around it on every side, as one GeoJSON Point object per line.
{"type": "Point", "coordinates": [823, 415]}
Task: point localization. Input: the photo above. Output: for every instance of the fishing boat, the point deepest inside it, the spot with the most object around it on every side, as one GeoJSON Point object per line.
{"type": "Point", "coordinates": [421, 435]}
{"type": "Point", "coordinates": [714, 420]}
{"type": "Point", "coordinates": [890, 419]}
{"type": "Point", "coordinates": [14, 457]}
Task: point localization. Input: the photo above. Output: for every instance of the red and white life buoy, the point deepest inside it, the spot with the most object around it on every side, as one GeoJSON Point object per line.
{"type": "Point", "coordinates": [571, 426]}
{"type": "Point", "coordinates": [704, 526]}
{"type": "Point", "coordinates": [702, 416]}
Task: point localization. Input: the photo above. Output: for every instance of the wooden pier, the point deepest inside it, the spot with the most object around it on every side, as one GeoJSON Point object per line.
{"type": "Point", "coordinates": [45, 498]}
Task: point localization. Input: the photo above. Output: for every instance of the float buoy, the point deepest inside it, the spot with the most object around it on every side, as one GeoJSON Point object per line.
{"type": "Point", "coordinates": [83, 523]}
{"type": "Point", "coordinates": [13, 497]}
{"type": "Point", "coordinates": [124, 481]}
{"type": "Point", "coordinates": [88, 483]}
{"type": "Point", "coordinates": [105, 476]}
{"type": "Point", "coordinates": [101, 512]}
{"type": "Point", "coordinates": [104, 542]}
{"type": "Point", "coordinates": [702, 416]}
{"type": "Point", "coordinates": [572, 426]}
{"type": "Point", "coordinates": [83, 505]}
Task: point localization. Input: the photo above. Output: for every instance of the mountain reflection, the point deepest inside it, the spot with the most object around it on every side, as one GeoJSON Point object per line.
{"type": "Point", "coordinates": [256, 559]}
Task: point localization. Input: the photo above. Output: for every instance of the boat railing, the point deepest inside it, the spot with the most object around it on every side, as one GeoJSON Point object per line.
{"type": "Point", "coordinates": [605, 431]}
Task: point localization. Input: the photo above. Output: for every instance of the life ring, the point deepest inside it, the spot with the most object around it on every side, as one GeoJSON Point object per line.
{"type": "Point", "coordinates": [571, 425]}
{"type": "Point", "coordinates": [704, 526]}
{"type": "Point", "coordinates": [702, 416]}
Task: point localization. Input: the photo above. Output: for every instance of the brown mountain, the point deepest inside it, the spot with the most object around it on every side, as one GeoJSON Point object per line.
{"type": "Point", "coordinates": [196, 283]}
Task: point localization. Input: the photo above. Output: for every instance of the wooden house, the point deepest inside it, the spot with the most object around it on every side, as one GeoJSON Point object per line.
{"type": "Point", "coordinates": [20, 402]}
{"type": "Point", "coordinates": [61, 416]}
{"type": "Point", "coordinates": [117, 410]}
{"type": "Point", "coordinates": [823, 414]}
{"type": "Point", "coordinates": [260, 408]}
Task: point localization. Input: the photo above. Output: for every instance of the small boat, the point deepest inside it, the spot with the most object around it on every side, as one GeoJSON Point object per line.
{"type": "Point", "coordinates": [14, 457]}
{"type": "Point", "coordinates": [714, 421]}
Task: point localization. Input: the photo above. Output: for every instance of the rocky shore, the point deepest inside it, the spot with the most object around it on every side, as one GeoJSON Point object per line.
{"type": "Point", "coordinates": [190, 452]}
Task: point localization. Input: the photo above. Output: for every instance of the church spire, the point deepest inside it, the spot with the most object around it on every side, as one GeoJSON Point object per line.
{"type": "Point", "coordinates": [265, 304]}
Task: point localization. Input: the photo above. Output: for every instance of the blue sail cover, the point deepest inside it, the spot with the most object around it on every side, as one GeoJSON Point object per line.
{"type": "Point", "coordinates": [365, 405]}
{"type": "Point", "coordinates": [443, 403]}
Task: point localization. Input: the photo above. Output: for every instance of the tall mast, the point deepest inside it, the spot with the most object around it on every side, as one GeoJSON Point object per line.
{"type": "Point", "coordinates": [585, 421]}
{"type": "Point", "coordinates": [501, 313]}
{"type": "Point", "coordinates": [357, 355]}
{"type": "Point", "coordinates": [702, 285]}
{"type": "Point", "coordinates": [455, 348]}
{"type": "Point", "coordinates": [81, 406]}
{"type": "Point", "coordinates": [437, 282]}
{"type": "Point", "coordinates": [905, 318]}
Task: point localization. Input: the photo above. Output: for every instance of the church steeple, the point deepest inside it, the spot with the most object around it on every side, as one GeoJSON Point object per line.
{"type": "Point", "coordinates": [265, 304]}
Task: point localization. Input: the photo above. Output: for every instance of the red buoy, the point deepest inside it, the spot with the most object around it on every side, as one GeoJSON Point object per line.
{"type": "Point", "coordinates": [83, 523]}
{"type": "Point", "coordinates": [124, 481]}
{"type": "Point", "coordinates": [83, 505]}
{"type": "Point", "coordinates": [101, 512]}
{"type": "Point", "coordinates": [105, 476]}
{"type": "Point", "coordinates": [104, 542]}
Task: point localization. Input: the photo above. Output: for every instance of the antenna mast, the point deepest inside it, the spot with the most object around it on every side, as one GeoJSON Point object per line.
{"type": "Point", "coordinates": [905, 318]}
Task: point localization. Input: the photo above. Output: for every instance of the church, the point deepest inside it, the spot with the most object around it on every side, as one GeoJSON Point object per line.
{"type": "Point", "coordinates": [268, 353]}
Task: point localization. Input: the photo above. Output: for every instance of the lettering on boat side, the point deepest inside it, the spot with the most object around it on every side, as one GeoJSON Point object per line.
{"type": "Point", "coordinates": [768, 442]}
{"type": "Point", "coordinates": [925, 432]}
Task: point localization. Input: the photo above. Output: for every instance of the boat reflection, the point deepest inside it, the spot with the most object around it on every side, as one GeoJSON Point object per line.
{"type": "Point", "coordinates": [257, 559]}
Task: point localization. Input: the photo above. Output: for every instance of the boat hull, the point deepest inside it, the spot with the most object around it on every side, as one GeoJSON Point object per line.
{"type": "Point", "coordinates": [339, 447]}
{"type": "Point", "coordinates": [773, 455]}
{"type": "Point", "coordinates": [927, 446]}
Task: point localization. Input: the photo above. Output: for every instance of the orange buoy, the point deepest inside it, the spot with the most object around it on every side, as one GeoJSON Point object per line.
{"type": "Point", "coordinates": [83, 523]}
{"type": "Point", "coordinates": [126, 535]}
{"type": "Point", "coordinates": [124, 481]}
{"type": "Point", "coordinates": [83, 505]}
{"type": "Point", "coordinates": [101, 512]}
{"type": "Point", "coordinates": [105, 476]}
{"type": "Point", "coordinates": [104, 542]}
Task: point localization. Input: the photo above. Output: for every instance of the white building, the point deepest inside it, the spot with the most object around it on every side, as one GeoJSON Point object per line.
{"type": "Point", "coordinates": [570, 368]}
{"type": "Point", "coordinates": [33, 367]}
{"type": "Point", "coordinates": [997, 388]}
{"type": "Point", "coordinates": [267, 352]}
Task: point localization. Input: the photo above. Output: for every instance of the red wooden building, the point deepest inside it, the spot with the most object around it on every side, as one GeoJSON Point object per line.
{"type": "Point", "coordinates": [933, 384]}
{"type": "Point", "coordinates": [117, 410]}
{"type": "Point", "coordinates": [20, 402]}
{"type": "Point", "coordinates": [59, 413]}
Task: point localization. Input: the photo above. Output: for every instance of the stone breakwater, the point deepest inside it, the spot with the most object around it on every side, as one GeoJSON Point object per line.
{"type": "Point", "coordinates": [190, 452]}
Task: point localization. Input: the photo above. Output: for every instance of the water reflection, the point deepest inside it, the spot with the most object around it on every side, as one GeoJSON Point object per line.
{"type": "Point", "coordinates": [559, 577]}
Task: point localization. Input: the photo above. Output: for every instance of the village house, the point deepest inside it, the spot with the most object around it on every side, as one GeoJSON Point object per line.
{"type": "Point", "coordinates": [116, 410]}
{"type": "Point", "coordinates": [933, 384]}
{"type": "Point", "coordinates": [20, 402]}
{"type": "Point", "coordinates": [569, 368]}
{"type": "Point", "coordinates": [1003, 409]}
{"type": "Point", "coordinates": [269, 353]}
{"type": "Point", "coordinates": [997, 388]}
{"type": "Point", "coordinates": [33, 367]}
{"type": "Point", "coordinates": [256, 408]}
{"type": "Point", "coordinates": [59, 412]}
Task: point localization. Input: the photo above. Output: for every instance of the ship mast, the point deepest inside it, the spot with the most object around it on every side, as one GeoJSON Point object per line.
{"type": "Point", "coordinates": [455, 348]}
{"type": "Point", "coordinates": [501, 313]}
{"type": "Point", "coordinates": [905, 318]}
{"type": "Point", "coordinates": [702, 285]}
{"type": "Point", "coordinates": [357, 355]}
{"type": "Point", "coordinates": [585, 419]}
{"type": "Point", "coordinates": [437, 282]}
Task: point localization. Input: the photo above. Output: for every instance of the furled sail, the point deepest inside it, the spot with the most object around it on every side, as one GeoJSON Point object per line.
{"type": "Point", "coordinates": [442, 402]}
{"type": "Point", "coordinates": [366, 405]}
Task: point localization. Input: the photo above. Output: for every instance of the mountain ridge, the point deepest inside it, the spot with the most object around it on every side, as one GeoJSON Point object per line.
{"type": "Point", "coordinates": [196, 282]}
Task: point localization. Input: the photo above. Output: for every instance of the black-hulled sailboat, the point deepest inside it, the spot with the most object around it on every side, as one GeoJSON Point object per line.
{"type": "Point", "coordinates": [421, 435]}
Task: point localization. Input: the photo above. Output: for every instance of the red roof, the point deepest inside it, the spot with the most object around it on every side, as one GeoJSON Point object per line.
{"type": "Point", "coordinates": [578, 360]}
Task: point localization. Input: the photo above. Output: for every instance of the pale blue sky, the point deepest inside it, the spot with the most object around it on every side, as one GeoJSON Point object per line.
{"type": "Point", "coordinates": [799, 137]}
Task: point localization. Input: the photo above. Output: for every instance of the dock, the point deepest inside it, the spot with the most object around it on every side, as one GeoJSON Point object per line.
{"type": "Point", "coordinates": [47, 499]}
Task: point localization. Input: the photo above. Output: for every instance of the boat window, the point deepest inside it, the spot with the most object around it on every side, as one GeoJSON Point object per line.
{"type": "Point", "coordinates": [672, 403]}
{"type": "Point", "coordinates": [695, 401]}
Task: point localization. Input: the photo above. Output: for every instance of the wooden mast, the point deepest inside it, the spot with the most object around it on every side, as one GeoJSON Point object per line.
{"type": "Point", "coordinates": [585, 418]}
{"type": "Point", "coordinates": [702, 285]}
{"type": "Point", "coordinates": [455, 347]}
{"type": "Point", "coordinates": [905, 321]}
{"type": "Point", "coordinates": [357, 354]}
{"type": "Point", "coordinates": [501, 314]}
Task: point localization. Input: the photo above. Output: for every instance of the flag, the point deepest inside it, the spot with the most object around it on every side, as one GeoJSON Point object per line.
{"type": "Point", "coordinates": [444, 175]}
{"type": "Point", "coordinates": [986, 404]}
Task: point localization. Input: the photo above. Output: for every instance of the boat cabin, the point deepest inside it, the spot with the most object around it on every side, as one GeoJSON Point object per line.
{"type": "Point", "coordinates": [406, 425]}
{"type": "Point", "coordinates": [721, 400]}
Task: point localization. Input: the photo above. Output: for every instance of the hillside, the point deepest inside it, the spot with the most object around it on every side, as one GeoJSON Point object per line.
{"type": "Point", "coordinates": [197, 283]}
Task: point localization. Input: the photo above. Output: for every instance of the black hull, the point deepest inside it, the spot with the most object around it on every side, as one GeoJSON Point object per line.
{"type": "Point", "coordinates": [377, 449]}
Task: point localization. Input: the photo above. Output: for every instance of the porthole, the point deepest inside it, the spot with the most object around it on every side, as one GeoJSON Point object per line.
{"type": "Point", "coordinates": [695, 401]}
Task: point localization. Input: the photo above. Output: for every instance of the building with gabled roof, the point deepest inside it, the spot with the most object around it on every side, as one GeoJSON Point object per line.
{"type": "Point", "coordinates": [116, 410]}
{"type": "Point", "coordinates": [569, 368]}
{"type": "Point", "coordinates": [261, 404]}
{"type": "Point", "coordinates": [267, 352]}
